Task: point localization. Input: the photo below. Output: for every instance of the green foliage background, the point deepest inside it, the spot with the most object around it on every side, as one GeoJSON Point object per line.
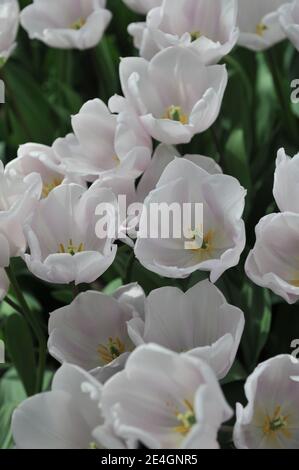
{"type": "Point", "coordinates": [44, 87]}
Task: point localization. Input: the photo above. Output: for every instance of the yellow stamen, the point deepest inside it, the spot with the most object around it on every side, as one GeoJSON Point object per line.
{"type": "Point", "coordinates": [112, 350]}
{"type": "Point", "coordinates": [47, 187]}
{"type": "Point", "coordinates": [71, 249]}
{"type": "Point", "coordinates": [276, 424]}
{"type": "Point", "coordinates": [116, 159]}
{"type": "Point", "coordinates": [260, 29]}
{"type": "Point", "coordinates": [186, 419]}
{"type": "Point", "coordinates": [78, 24]}
{"type": "Point", "coordinates": [175, 113]}
{"type": "Point", "coordinates": [295, 282]}
{"type": "Point", "coordinates": [195, 35]}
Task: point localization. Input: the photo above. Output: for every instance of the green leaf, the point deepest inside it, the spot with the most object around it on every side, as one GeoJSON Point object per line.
{"type": "Point", "coordinates": [257, 310]}
{"type": "Point", "coordinates": [11, 394]}
{"type": "Point", "coordinates": [113, 286]}
{"type": "Point", "coordinates": [236, 158]}
{"type": "Point", "coordinates": [19, 344]}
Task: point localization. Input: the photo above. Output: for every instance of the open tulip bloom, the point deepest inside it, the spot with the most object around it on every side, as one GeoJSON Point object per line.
{"type": "Point", "coordinates": [259, 23]}
{"type": "Point", "coordinates": [172, 110]}
{"type": "Point", "coordinates": [271, 418]}
{"type": "Point", "coordinates": [209, 28]}
{"type": "Point", "coordinates": [142, 6]}
{"type": "Point", "coordinates": [223, 229]}
{"type": "Point", "coordinates": [66, 24]}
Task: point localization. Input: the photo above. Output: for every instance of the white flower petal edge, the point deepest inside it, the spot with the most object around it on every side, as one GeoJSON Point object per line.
{"type": "Point", "coordinates": [270, 420]}
{"type": "Point", "coordinates": [142, 6]}
{"type": "Point", "coordinates": [4, 284]}
{"type": "Point", "coordinates": [164, 400]}
{"type": "Point", "coordinates": [259, 24]}
{"type": "Point", "coordinates": [66, 24]}
{"type": "Point", "coordinates": [209, 28]}
{"type": "Point", "coordinates": [9, 24]}
{"type": "Point", "coordinates": [18, 198]}
{"type": "Point", "coordinates": [273, 262]}
{"type": "Point", "coordinates": [199, 323]}
{"type": "Point", "coordinates": [104, 144]}
{"type": "Point", "coordinates": [224, 234]}
{"type": "Point", "coordinates": [172, 110]}
{"type": "Point", "coordinates": [289, 20]}
{"type": "Point", "coordinates": [63, 418]}
{"type": "Point", "coordinates": [62, 238]}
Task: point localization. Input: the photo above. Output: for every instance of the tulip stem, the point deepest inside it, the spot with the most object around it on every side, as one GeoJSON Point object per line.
{"type": "Point", "coordinates": [33, 322]}
{"type": "Point", "coordinates": [284, 99]}
{"type": "Point", "coordinates": [13, 305]}
{"type": "Point", "coordinates": [217, 146]}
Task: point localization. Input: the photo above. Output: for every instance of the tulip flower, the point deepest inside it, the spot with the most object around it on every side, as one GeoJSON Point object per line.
{"type": "Point", "coordinates": [103, 144]}
{"type": "Point", "coordinates": [66, 24]}
{"type": "Point", "coordinates": [209, 28]}
{"type": "Point", "coordinates": [9, 24]}
{"type": "Point", "coordinates": [61, 236]}
{"type": "Point", "coordinates": [163, 155]}
{"type": "Point", "coordinates": [259, 24]}
{"type": "Point", "coordinates": [270, 420]}
{"type": "Point", "coordinates": [199, 323]}
{"type": "Point", "coordinates": [41, 159]}
{"type": "Point", "coordinates": [163, 400]}
{"type": "Point", "coordinates": [142, 6]}
{"type": "Point", "coordinates": [92, 333]}
{"type": "Point", "coordinates": [172, 110]}
{"type": "Point", "coordinates": [289, 20]}
{"type": "Point", "coordinates": [273, 262]}
{"type": "Point", "coordinates": [286, 179]}
{"type": "Point", "coordinates": [63, 418]}
{"type": "Point", "coordinates": [18, 199]}
{"type": "Point", "coordinates": [183, 182]}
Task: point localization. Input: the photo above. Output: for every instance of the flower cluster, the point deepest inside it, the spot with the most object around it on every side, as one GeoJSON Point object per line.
{"type": "Point", "coordinates": [139, 367]}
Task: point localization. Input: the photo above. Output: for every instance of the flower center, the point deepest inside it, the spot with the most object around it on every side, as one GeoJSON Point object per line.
{"type": "Point", "coordinates": [47, 187]}
{"type": "Point", "coordinates": [276, 424]}
{"type": "Point", "coordinates": [78, 24]}
{"type": "Point", "coordinates": [71, 249]}
{"type": "Point", "coordinates": [195, 35]}
{"type": "Point", "coordinates": [175, 113]}
{"type": "Point", "coordinates": [260, 29]}
{"type": "Point", "coordinates": [186, 419]}
{"type": "Point", "coordinates": [294, 282]}
{"type": "Point", "coordinates": [112, 350]}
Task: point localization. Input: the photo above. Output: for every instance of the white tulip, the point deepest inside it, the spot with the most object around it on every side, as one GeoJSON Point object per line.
{"type": "Point", "coordinates": [258, 21]}
{"type": "Point", "coordinates": [61, 236]}
{"type": "Point", "coordinates": [18, 199]}
{"type": "Point", "coordinates": [163, 400]}
{"type": "Point", "coordinates": [66, 24]}
{"type": "Point", "coordinates": [273, 262]}
{"type": "Point", "coordinates": [163, 155]}
{"type": "Point", "coordinates": [286, 182]}
{"type": "Point", "coordinates": [289, 20]}
{"type": "Point", "coordinates": [142, 6]}
{"type": "Point", "coordinates": [63, 418]}
{"type": "Point", "coordinates": [4, 284]}
{"type": "Point", "coordinates": [9, 24]}
{"type": "Point", "coordinates": [199, 323]}
{"type": "Point", "coordinates": [271, 418]}
{"type": "Point", "coordinates": [92, 332]}
{"type": "Point", "coordinates": [223, 229]}
{"type": "Point", "coordinates": [104, 144]}
{"type": "Point", "coordinates": [175, 95]}
{"type": "Point", "coordinates": [41, 159]}
{"type": "Point", "coordinates": [209, 28]}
